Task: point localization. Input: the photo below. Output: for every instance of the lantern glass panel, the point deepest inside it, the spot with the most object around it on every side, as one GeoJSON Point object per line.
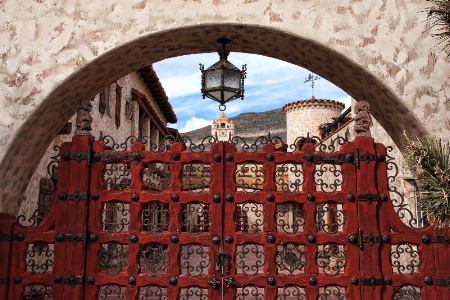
{"type": "Point", "coordinates": [213, 78]}
{"type": "Point", "coordinates": [215, 95]}
{"type": "Point", "coordinates": [228, 95]}
{"type": "Point", "coordinates": [232, 78]}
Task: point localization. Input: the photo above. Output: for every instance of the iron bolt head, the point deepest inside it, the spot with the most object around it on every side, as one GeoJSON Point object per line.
{"type": "Point", "coordinates": [270, 197]}
{"type": "Point", "coordinates": [270, 157]}
{"type": "Point", "coordinates": [133, 238]}
{"type": "Point", "coordinates": [271, 239]}
{"type": "Point", "coordinates": [135, 197]}
{"type": "Point", "coordinates": [174, 197]}
{"type": "Point", "coordinates": [91, 280]}
{"type": "Point", "coordinates": [57, 279]}
{"type": "Point", "coordinates": [66, 156]}
{"type": "Point", "coordinates": [229, 239]}
{"type": "Point", "coordinates": [428, 280]}
{"type": "Point", "coordinates": [217, 157]}
{"type": "Point", "coordinates": [383, 197]}
{"type": "Point", "coordinates": [271, 281]}
{"type": "Point", "coordinates": [311, 197]}
{"type": "Point", "coordinates": [176, 156]}
{"type": "Point", "coordinates": [173, 281]}
{"type": "Point", "coordinates": [229, 198]}
{"type": "Point", "coordinates": [354, 280]}
{"type": "Point", "coordinates": [20, 236]}
{"type": "Point", "coordinates": [216, 239]}
{"type": "Point", "coordinates": [352, 238]}
{"type": "Point", "coordinates": [17, 279]}
{"type": "Point", "coordinates": [94, 196]}
{"type": "Point", "coordinates": [311, 238]}
{"type": "Point", "coordinates": [229, 157]}
{"type": "Point", "coordinates": [351, 197]}
{"type": "Point", "coordinates": [97, 156]}
{"type": "Point", "coordinates": [388, 280]}
{"type": "Point", "coordinates": [386, 238]}
{"type": "Point", "coordinates": [59, 237]}
{"type": "Point", "coordinates": [216, 198]}
{"type": "Point", "coordinates": [312, 281]}
{"type": "Point", "coordinates": [93, 237]}
{"type": "Point", "coordinates": [426, 239]}
{"type": "Point", "coordinates": [132, 280]}
{"type": "Point", "coordinates": [174, 239]}
{"type": "Point", "coordinates": [62, 196]}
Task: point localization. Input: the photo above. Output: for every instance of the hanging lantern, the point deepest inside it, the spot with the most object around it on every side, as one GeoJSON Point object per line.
{"type": "Point", "coordinates": [223, 82]}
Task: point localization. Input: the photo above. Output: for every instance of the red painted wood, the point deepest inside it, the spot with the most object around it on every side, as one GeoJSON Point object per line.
{"type": "Point", "coordinates": [7, 222]}
{"type": "Point", "coordinates": [370, 263]}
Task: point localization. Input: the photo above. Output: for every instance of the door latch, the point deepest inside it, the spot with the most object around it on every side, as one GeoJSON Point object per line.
{"type": "Point", "coordinates": [222, 260]}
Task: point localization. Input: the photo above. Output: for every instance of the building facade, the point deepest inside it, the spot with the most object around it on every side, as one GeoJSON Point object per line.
{"type": "Point", "coordinates": [222, 128]}
{"type": "Point", "coordinates": [135, 105]}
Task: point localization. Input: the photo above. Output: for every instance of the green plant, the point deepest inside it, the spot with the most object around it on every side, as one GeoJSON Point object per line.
{"type": "Point", "coordinates": [439, 13]}
{"type": "Point", "coordinates": [430, 160]}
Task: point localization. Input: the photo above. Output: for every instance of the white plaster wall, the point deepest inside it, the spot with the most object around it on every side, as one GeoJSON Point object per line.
{"type": "Point", "coordinates": [53, 53]}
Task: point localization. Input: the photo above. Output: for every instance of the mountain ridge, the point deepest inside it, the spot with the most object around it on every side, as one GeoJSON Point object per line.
{"type": "Point", "coordinates": [250, 125]}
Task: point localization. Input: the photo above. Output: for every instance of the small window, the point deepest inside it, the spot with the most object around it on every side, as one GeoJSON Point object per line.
{"type": "Point", "coordinates": [118, 104]}
{"type": "Point", "coordinates": [222, 125]}
{"type": "Point", "coordinates": [103, 105]}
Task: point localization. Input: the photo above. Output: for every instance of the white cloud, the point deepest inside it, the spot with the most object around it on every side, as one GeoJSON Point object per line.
{"type": "Point", "coordinates": [195, 123]}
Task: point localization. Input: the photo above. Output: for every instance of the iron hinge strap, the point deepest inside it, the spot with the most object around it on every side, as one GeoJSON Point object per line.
{"type": "Point", "coordinates": [373, 281]}
{"type": "Point", "coordinates": [86, 237]}
{"type": "Point", "coordinates": [71, 280]}
{"type": "Point", "coordinates": [369, 197]}
{"type": "Point", "coordinates": [74, 196]}
{"type": "Point", "coordinates": [11, 236]}
{"type": "Point", "coordinates": [135, 156]}
{"type": "Point", "coordinates": [443, 282]}
{"type": "Point", "coordinates": [4, 280]}
{"type": "Point", "coordinates": [78, 156]}
{"type": "Point", "coordinates": [441, 239]}
{"type": "Point", "coordinates": [359, 239]}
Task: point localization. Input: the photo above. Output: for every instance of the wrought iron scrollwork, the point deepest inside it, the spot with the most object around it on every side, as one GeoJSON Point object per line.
{"type": "Point", "coordinates": [115, 216]}
{"type": "Point", "coordinates": [254, 145]}
{"type": "Point", "coordinates": [153, 259]}
{"type": "Point", "coordinates": [249, 217]}
{"type": "Point", "coordinates": [250, 292]}
{"type": "Point", "coordinates": [249, 177]}
{"type": "Point", "coordinates": [156, 177]}
{"type": "Point", "coordinates": [40, 257]}
{"type": "Point", "coordinates": [155, 217]}
{"type": "Point", "coordinates": [332, 292]}
{"type": "Point", "coordinates": [113, 258]}
{"type": "Point", "coordinates": [290, 217]}
{"type": "Point", "coordinates": [37, 291]}
{"type": "Point", "coordinates": [330, 217]}
{"type": "Point", "coordinates": [152, 292]}
{"type": "Point", "coordinates": [117, 177]}
{"type": "Point", "coordinates": [250, 259]}
{"type": "Point", "coordinates": [196, 177]}
{"type": "Point", "coordinates": [112, 291]}
{"type": "Point", "coordinates": [401, 207]}
{"type": "Point", "coordinates": [405, 259]}
{"type": "Point", "coordinates": [194, 259]}
{"type": "Point", "coordinates": [289, 177]}
{"type": "Point", "coordinates": [290, 258]}
{"type": "Point", "coordinates": [195, 217]}
{"type": "Point", "coordinates": [331, 259]}
{"type": "Point", "coordinates": [203, 145]}
{"type": "Point", "coordinates": [291, 292]}
{"type": "Point", "coordinates": [328, 178]}
{"type": "Point", "coordinates": [407, 292]}
{"type": "Point", "coordinates": [194, 292]}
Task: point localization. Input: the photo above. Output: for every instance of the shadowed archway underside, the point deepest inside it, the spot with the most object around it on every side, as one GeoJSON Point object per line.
{"type": "Point", "coordinates": [38, 131]}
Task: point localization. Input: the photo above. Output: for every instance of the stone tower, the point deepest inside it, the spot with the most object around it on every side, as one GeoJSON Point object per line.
{"type": "Point", "coordinates": [223, 128]}
{"type": "Point", "coordinates": [305, 116]}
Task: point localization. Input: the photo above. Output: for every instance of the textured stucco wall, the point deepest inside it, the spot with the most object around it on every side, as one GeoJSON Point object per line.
{"type": "Point", "coordinates": [305, 116]}
{"type": "Point", "coordinates": [54, 53]}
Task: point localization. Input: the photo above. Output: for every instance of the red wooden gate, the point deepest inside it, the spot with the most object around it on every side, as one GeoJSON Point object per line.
{"type": "Point", "coordinates": [217, 223]}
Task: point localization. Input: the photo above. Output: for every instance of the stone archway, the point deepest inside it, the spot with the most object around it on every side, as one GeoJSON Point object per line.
{"type": "Point", "coordinates": [334, 59]}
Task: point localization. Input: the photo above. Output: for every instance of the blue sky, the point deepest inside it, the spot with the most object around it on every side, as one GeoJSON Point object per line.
{"type": "Point", "coordinates": [270, 84]}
